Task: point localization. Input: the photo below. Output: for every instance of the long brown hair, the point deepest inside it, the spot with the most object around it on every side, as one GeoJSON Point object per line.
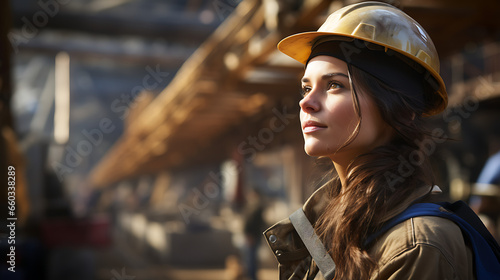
{"type": "Point", "coordinates": [374, 184]}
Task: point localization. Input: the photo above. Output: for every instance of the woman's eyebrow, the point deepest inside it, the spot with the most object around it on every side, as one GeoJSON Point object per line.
{"type": "Point", "coordinates": [326, 76]}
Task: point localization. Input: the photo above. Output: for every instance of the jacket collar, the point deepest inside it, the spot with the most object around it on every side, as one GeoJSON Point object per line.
{"type": "Point", "coordinates": [289, 249]}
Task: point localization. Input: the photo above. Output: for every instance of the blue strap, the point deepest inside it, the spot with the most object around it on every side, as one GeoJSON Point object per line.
{"type": "Point", "coordinates": [487, 266]}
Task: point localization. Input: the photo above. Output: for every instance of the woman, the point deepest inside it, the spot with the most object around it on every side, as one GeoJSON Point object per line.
{"type": "Point", "coordinates": [371, 77]}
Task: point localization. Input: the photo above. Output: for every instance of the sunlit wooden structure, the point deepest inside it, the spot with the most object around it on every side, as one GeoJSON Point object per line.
{"type": "Point", "coordinates": [226, 90]}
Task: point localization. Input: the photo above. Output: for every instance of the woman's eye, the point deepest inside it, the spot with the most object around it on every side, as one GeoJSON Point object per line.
{"type": "Point", "coordinates": [334, 85]}
{"type": "Point", "coordinates": [305, 90]}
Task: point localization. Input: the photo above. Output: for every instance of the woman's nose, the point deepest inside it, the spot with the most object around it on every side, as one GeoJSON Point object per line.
{"type": "Point", "coordinates": [310, 103]}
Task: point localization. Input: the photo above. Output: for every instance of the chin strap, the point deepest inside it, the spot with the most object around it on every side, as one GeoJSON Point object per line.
{"type": "Point", "coordinates": [313, 244]}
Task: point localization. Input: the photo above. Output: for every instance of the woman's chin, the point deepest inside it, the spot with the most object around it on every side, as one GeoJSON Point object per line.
{"type": "Point", "coordinates": [313, 152]}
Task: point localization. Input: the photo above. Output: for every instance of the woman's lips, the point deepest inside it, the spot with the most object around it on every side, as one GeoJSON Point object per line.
{"type": "Point", "coordinates": [312, 126]}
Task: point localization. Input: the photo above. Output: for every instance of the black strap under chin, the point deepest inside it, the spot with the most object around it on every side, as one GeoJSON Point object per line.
{"type": "Point", "coordinates": [313, 244]}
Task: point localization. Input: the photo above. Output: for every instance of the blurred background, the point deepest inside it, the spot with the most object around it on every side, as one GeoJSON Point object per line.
{"type": "Point", "coordinates": [157, 139]}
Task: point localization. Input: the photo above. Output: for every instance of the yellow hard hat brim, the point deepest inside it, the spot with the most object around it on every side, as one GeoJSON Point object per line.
{"type": "Point", "coordinates": [298, 46]}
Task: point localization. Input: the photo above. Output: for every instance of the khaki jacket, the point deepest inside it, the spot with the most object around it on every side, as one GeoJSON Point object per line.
{"type": "Point", "coordinates": [419, 248]}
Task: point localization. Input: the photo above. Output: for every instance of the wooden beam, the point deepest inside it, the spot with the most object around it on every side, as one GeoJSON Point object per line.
{"type": "Point", "coordinates": [175, 92]}
{"type": "Point", "coordinates": [171, 25]}
{"type": "Point", "coordinates": [475, 90]}
{"type": "Point", "coordinates": [84, 50]}
{"type": "Point", "coordinates": [307, 19]}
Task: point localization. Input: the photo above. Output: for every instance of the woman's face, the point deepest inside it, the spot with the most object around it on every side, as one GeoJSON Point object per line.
{"type": "Point", "coordinates": [328, 117]}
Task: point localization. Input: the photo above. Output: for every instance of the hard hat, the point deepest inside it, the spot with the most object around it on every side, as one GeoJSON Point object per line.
{"type": "Point", "coordinates": [380, 24]}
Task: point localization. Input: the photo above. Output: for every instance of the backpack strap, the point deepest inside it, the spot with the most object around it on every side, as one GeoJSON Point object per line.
{"type": "Point", "coordinates": [313, 244]}
{"type": "Point", "coordinates": [487, 265]}
{"type": "Point", "coordinates": [463, 210]}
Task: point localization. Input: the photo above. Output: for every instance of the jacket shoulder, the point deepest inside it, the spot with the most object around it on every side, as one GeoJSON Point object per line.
{"type": "Point", "coordinates": [440, 233]}
{"type": "Point", "coordinates": [430, 236]}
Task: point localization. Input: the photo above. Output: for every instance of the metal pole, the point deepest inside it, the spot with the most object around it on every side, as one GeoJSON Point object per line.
{"type": "Point", "coordinates": [62, 98]}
